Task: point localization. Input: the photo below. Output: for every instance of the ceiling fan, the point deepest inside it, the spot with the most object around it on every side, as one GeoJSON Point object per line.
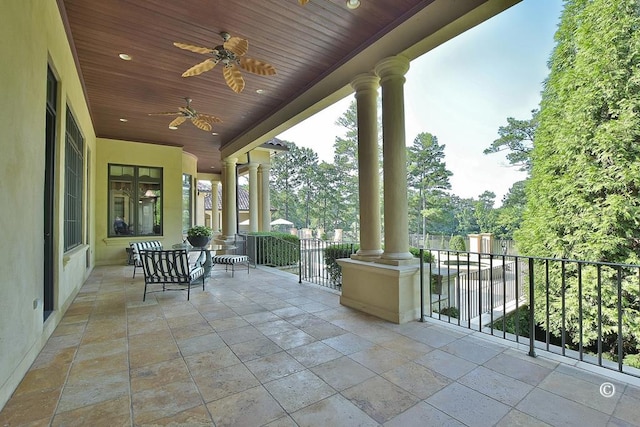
{"type": "Point", "coordinates": [231, 55]}
{"type": "Point", "coordinates": [200, 120]}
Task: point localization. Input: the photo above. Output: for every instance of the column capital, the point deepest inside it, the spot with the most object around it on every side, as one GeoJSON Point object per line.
{"type": "Point", "coordinates": [365, 82]}
{"type": "Point", "coordinates": [392, 66]}
{"type": "Point", "coordinates": [230, 160]}
{"type": "Point", "coordinates": [253, 166]}
{"type": "Point", "coordinates": [265, 166]}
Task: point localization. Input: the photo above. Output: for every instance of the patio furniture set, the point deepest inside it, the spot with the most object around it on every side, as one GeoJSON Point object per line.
{"type": "Point", "coordinates": [178, 268]}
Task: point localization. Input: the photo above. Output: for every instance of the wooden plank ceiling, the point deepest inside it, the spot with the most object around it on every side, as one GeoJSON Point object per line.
{"type": "Point", "coordinates": [303, 43]}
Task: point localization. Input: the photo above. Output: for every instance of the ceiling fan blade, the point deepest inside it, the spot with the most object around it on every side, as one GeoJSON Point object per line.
{"type": "Point", "coordinates": [257, 67]}
{"type": "Point", "coordinates": [233, 78]}
{"type": "Point", "coordinates": [200, 68]}
{"type": "Point", "coordinates": [237, 45]}
{"type": "Point", "coordinates": [196, 49]}
{"type": "Point", "coordinates": [209, 118]}
{"type": "Point", "coordinates": [177, 113]}
{"type": "Point", "coordinates": [177, 121]}
{"type": "Point", "coordinates": [201, 124]}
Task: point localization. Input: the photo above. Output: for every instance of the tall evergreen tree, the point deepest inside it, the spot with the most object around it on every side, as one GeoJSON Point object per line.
{"type": "Point", "coordinates": [516, 138]}
{"type": "Point", "coordinates": [583, 197]}
{"type": "Point", "coordinates": [345, 162]}
{"type": "Point", "coordinates": [428, 178]}
{"type": "Point", "coordinates": [286, 177]}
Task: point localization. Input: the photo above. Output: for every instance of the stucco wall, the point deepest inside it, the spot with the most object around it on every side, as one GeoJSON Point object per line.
{"type": "Point", "coordinates": [172, 160]}
{"type": "Point", "coordinates": [33, 36]}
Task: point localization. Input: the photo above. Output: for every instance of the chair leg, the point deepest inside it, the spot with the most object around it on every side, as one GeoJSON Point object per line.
{"type": "Point", "coordinates": [144, 296]}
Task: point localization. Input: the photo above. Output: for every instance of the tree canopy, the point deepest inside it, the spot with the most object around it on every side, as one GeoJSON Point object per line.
{"type": "Point", "coordinates": [583, 194]}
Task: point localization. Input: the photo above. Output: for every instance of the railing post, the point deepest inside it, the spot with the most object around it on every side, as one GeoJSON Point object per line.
{"type": "Point", "coordinates": [421, 284]}
{"type": "Point", "coordinates": [299, 260]}
{"type": "Point", "coordinates": [532, 323]}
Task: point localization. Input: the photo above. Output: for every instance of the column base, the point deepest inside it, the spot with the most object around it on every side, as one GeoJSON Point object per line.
{"type": "Point", "coordinates": [389, 292]}
{"type": "Point", "coordinates": [394, 261]}
{"type": "Point", "coordinates": [367, 255]}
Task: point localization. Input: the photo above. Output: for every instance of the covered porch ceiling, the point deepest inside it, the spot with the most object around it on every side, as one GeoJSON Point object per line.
{"type": "Point", "coordinates": [316, 50]}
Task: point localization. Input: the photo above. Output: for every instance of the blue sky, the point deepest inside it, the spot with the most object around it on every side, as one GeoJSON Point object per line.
{"type": "Point", "coordinates": [462, 92]}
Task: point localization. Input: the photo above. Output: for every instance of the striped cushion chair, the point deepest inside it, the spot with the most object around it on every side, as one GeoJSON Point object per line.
{"type": "Point", "coordinates": [136, 247]}
{"type": "Point", "coordinates": [168, 270]}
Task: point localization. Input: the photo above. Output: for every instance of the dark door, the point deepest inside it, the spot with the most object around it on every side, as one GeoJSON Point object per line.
{"type": "Point", "coordinates": [49, 188]}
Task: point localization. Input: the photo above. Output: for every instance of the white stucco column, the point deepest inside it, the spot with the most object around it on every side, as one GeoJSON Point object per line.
{"type": "Point", "coordinates": [366, 87]}
{"type": "Point", "coordinates": [253, 197]}
{"type": "Point", "coordinates": [265, 224]}
{"type": "Point", "coordinates": [229, 210]}
{"type": "Point", "coordinates": [391, 71]}
{"type": "Point", "coordinates": [215, 215]}
{"type": "Point", "coordinates": [260, 202]}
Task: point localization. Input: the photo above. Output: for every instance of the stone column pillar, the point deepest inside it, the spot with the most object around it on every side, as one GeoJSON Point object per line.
{"type": "Point", "coordinates": [253, 197]}
{"type": "Point", "coordinates": [366, 87]}
{"type": "Point", "coordinates": [260, 200]}
{"type": "Point", "coordinates": [266, 197]}
{"type": "Point", "coordinates": [391, 71]}
{"type": "Point", "coordinates": [215, 214]}
{"type": "Point", "coordinates": [229, 208]}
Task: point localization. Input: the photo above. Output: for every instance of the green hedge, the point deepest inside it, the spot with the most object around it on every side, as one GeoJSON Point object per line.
{"type": "Point", "coordinates": [277, 249]}
{"type": "Point", "coordinates": [333, 252]}
{"type": "Point", "coordinates": [426, 256]}
{"type": "Point", "coordinates": [457, 243]}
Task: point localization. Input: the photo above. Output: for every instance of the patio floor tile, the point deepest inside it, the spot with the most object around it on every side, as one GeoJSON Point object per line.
{"type": "Point", "coordinates": [265, 350]}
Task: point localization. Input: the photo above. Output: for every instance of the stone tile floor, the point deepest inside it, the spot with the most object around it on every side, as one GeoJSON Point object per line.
{"type": "Point", "coordinates": [261, 349]}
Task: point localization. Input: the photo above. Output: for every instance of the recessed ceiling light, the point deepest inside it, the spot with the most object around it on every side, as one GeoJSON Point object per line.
{"type": "Point", "coordinates": [260, 91]}
{"type": "Point", "coordinates": [173, 127]}
{"type": "Point", "coordinates": [125, 57]}
{"type": "Point", "coordinates": [123, 120]}
{"type": "Point", "coordinates": [214, 133]}
{"type": "Point", "coordinates": [353, 4]}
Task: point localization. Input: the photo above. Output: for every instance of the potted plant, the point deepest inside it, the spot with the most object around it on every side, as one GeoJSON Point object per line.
{"type": "Point", "coordinates": [199, 235]}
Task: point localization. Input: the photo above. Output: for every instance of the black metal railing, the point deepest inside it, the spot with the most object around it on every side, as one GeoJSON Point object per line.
{"type": "Point", "coordinates": [272, 251]}
{"type": "Point", "coordinates": [318, 261]}
{"type": "Point", "coordinates": [585, 310]}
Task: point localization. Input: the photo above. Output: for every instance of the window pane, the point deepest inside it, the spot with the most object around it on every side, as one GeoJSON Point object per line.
{"type": "Point", "coordinates": [73, 184]}
{"type": "Point", "coordinates": [121, 171]}
{"type": "Point", "coordinates": [149, 209]}
{"type": "Point", "coordinates": [186, 202]}
{"type": "Point", "coordinates": [120, 209]}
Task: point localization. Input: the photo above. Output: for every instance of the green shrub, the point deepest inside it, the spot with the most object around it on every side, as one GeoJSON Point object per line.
{"type": "Point", "coordinates": [333, 252]}
{"type": "Point", "coordinates": [452, 312]}
{"type": "Point", "coordinates": [277, 249]}
{"type": "Point", "coordinates": [632, 360]}
{"type": "Point", "coordinates": [457, 243]}
{"type": "Point", "coordinates": [427, 256]}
